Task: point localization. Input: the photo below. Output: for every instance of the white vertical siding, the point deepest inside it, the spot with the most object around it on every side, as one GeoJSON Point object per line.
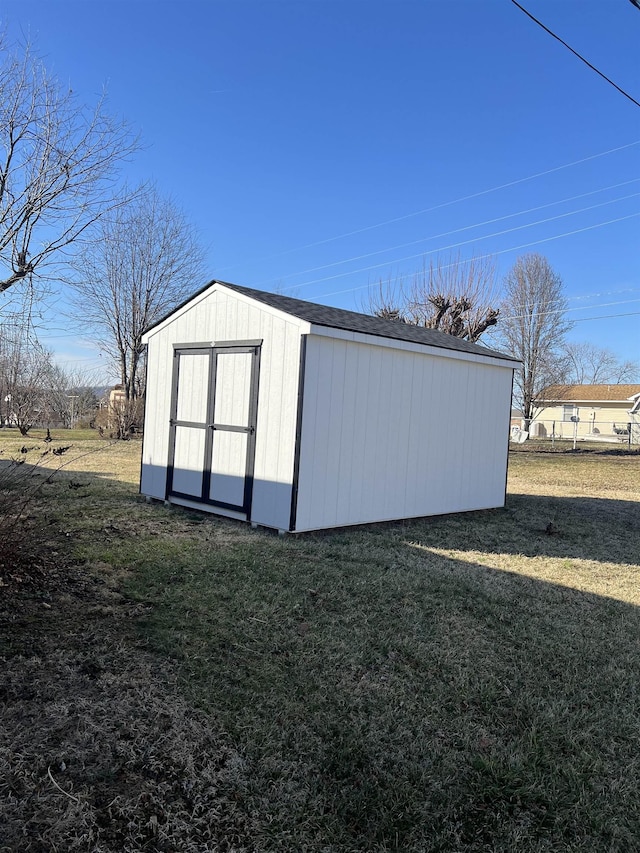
{"type": "Point", "coordinates": [391, 434]}
{"type": "Point", "coordinates": [221, 317]}
{"type": "Point", "coordinates": [155, 443]}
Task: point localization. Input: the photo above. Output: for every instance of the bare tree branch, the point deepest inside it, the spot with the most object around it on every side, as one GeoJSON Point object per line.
{"type": "Point", "coordinates": [26, 373]}
{"type": "Point", "coordinates": [58, 165]}
{"type": "Point", "coordinates": [533, 327]}
{"type": "Point", "coordinates": [588, 364]}
{"type": "Point", "coordinates": [145, 261]}
{"type": "Point", "coordinates": [453, 295]}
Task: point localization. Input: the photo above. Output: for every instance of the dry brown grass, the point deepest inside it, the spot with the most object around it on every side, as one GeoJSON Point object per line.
{"type": "Point", "coordinates": [176, 682]}
{"type": "Point", "coordinates": [99, 751]}
{"type": "Point", "coordinates": [580, 493]}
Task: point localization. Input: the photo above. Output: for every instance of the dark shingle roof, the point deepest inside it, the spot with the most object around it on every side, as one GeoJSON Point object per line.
{"type": "Point", "coordinates": [351, 321]}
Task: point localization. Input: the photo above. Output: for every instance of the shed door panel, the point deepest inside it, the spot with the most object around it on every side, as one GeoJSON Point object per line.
{"type": "Point", "coordinates": [188, 461]}
{"type": "Point", "coordinates": [193, 387]}
{"type": "Point", "coordinates": [228, 468]}
{"type": "Point", "coordinates": [213, 423]}
{"type": "Point", "coordinates": [233, 389]}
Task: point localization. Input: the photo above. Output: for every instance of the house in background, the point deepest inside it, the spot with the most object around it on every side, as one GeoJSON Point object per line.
{"type": "Point", "coordinates": [517, 418]}
{"type": "Point", "coordinates": [298, 416]}
{"type": "Point", "coordinates": [603, 412]}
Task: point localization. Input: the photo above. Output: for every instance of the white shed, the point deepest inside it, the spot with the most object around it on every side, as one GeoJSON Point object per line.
{"type": "Point", "coordinates": [300, 417]}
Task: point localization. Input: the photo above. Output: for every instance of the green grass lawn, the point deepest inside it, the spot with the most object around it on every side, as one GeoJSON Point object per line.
{"type": "Point", "coordinates": [462, 683]}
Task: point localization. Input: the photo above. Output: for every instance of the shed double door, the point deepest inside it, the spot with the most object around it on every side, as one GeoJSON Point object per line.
{"type": "Point", "coordinates": [212, 426]}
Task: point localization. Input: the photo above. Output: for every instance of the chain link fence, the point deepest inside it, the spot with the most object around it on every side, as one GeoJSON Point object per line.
{"type": "Point", "coordinates": [621, 432]}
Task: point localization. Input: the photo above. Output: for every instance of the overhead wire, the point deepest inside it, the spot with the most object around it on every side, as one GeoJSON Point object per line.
{"type": "Point", "coordinates": [474, 240]}
{"type": "Point", "coordinates": [575, 53]}
{"type": "Point", "coordinates": [607, 316]}
{"type": "Point", "coordinates": [442, 205]}
{"type": "Point", "coordinates": [581, 296]}
{"type": "Point", "coordinates": [567, 310]}
{"type": "Point", "coordinates": [498, 252]}
{"type": "Point", "coordinates": [448, 233]}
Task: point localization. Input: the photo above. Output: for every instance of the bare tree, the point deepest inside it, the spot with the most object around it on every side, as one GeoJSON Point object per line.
{"type": "Point", "coordinates": [145, 261]}
{"type": "Point", "coordinates": [58, 164]}
{"type": "Point", "coordinates": [533, 326]}
{"type": "Point", "coordinates": [453, 295]}
{"type": "Point", "coordinates": [588, 364]}
{"type": "Point", "coordinates": [26, 372]}
{"type": "Point", "coordinates": [71, 396]}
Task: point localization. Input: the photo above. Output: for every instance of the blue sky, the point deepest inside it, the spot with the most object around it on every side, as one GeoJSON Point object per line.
{"type": "Point", "coordinates": [319, 146]}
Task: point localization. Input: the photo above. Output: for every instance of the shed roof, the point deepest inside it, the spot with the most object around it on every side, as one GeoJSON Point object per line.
{"type": "Point", "coordinates": [589, 393]}
{"type": "Point", "coordinates": [352, 321]}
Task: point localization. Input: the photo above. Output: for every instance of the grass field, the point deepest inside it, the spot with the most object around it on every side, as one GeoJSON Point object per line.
{"type": "Point", "coordinates": [176, 682]}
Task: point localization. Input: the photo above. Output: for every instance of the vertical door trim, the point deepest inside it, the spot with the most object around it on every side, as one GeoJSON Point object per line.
{"type": "Point", "coordinates": [193, 349]}
{"type": "Point", "coordinates": [298, 440]}
{"type": "Point", "coordinates": [251, 439]}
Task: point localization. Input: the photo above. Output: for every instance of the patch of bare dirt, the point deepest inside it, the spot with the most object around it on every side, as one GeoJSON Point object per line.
{"type": "Point", "coordinates": [98, 749]}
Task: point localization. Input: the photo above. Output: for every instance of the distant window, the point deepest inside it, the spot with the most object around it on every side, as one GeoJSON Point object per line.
{"type": "Point", "coordinates": [568, 412]}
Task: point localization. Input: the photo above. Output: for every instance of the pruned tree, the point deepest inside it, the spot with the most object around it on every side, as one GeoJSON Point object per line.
{"type": "Point", "coordinates": [533, 327]}
{"type": "Point", "coordinates": [453, 295]}
{"type": "Point", "coordinates": [145, 261]}
{"type": "Point", "coordinates": [588, 364]}
{"type": "Point", "coordinates": [58, 165]}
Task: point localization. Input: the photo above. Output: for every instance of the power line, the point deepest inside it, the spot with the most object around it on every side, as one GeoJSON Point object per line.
{"type": "Point", "coordinates": [604, 293]}
{"type": "Point", "coordinates": [597, 296]}
{"type": "Point", "coordinates": [440, 205]}
{"type": "Point", "coordinates": [567, 310]}
{"type": "Point", "coordinates": [607, 316]}
{"type": "Point", "coordinates": [453, 231]}
{"type": "Point", "coordinates": [582, 296]}
{"type": "Point", "coordinates": [467, 242]}
{"type": "Point", "coordinates": [492, 254]}
{"type": "Point", "coordinates": [575, 53]}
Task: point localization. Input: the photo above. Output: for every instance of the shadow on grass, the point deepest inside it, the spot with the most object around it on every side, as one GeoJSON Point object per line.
{"type": "Point", "coordinates": [585, 528]}
{"type": "Point", "coordinates": [385, 699]}
{"type": "Point", "coordinates": [386, 695]}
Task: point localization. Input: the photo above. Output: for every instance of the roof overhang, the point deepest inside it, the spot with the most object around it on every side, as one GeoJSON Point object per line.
{"type": "Point", "coordinates": [205, 292]}
{"type": "Point", "coordinates": [409, 346]}
{"type": "Point", "coordinates": [307, 327]}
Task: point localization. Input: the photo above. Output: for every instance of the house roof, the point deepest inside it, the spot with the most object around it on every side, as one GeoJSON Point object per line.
{"type": "Point", "coordinates": [351, 321]}
{"type": "Point", "coordinates": [589, 393]}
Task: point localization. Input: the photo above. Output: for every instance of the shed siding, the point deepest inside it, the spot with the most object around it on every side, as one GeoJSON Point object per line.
{"type": "Point", "coordinates": [385, 434]}
{"type": "Point", "coordinates": [222, 317]}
